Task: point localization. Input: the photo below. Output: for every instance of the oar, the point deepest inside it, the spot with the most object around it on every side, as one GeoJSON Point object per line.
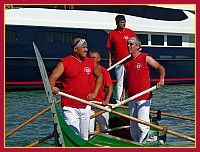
{"type": "Point", "coordinates": [110, 130]}
{"type": "Point", "coordinates": [127, 116]}
{"type": "Point", "coordinates": [29, 120]}
{"type": "Point", "coordinates": [22, 119]}
{"type": "Point", "coordinates": [114, 65]}
{"type": "Point", "coordinates": [124, 101]}
{"type": "Point", "coordinates": [110, 68]}
{"type": "Point", "coordinates": [151, 111]}
{"type": "Point", "coordinates": [40, 141]}
{"type": "Point", "coordinates": [177, 125]}
{"type": "Point", "coordinates": [173, 115]}
{"type": "Point", "coordinates": [97, 114]}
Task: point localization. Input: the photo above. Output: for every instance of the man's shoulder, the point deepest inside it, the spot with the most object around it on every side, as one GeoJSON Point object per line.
{"type": "Point", "coordinates": [145, 54]}
{"type": "Point", "coordinates": [113, 31]}
{"type": "Point", "coordinates": [65, 58]}
{"type": "Point", "coordinates": [102, 68]}
{"type": "Point", "coordinates": [89, 61]}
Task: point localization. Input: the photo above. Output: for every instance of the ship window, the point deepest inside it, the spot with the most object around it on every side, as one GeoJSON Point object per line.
{"type": "Point", "coordinates": [57, 37]}
{"type": "Point", "coordinates": [173, 40]}
{"type": "Point", "coordinates": [191, 39]}
{"type": "Point", "coordinates": [143, 38]}
{"type": "Point", "coordinates": [43, 37]}
{"type": "Point", "coordinates": [11, 35]}
{"type": "Point", "coordinates": [157, 39]}
{"type": "Point", "coordinates": [183, 57]}
{"type": "Point", "coordinates": [166, 57]}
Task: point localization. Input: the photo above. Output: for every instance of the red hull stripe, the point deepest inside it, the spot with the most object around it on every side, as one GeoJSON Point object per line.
{"type": "Point", "coordinates": [174, 79]}
{"type": "Point", "coordinates": [28, 83]}
{"type": "Point", "coordinates": [58, 82]}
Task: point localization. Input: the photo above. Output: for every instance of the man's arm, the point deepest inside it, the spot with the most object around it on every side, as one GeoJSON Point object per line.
{"type": "Point", "coordinates": [154, 64]}
{"type": "Point", "coordinates": [108, 95]}
{"type": "Point", "coordinates": [57, 72]}
{"type": "Point", "coordinates": [99, 81]}
{"type": "Point", "coordinates": [110, 52]}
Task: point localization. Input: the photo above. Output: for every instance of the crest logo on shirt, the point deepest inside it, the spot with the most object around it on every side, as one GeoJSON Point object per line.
{"type": "Point", "coordinates": [139, 65]}
{"type": "Point", "coordinates": [126, 37]}
{"type": "Point", "coordinates": [87, 70]}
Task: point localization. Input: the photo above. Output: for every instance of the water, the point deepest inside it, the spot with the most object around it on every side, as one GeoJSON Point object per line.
{"type": "Point", "coordinates": [179, 100]}
{"type": "Point", "coordinates": [20, 106]}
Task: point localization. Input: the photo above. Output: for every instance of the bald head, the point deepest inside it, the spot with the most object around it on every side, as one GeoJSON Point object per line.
{"type": "Point", "coordinates": [75, 40]}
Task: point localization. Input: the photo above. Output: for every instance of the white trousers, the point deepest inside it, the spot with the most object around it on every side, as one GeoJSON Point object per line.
{"type": "Point", "coordinates": [119, 71]}
{"type": "Point", "coordinates": [102, 120]}
{"type": "Point", "coordinates": [139, 109]}
{"type": "Point", "coordinates": [78, 119]}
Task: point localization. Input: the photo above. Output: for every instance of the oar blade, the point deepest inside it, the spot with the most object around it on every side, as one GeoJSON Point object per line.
{"type": "Point", "coordinates": [44, 75]}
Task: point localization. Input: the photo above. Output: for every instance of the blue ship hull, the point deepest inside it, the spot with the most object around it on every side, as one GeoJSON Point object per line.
{"type": "Point", "coordinates": [21, 70]}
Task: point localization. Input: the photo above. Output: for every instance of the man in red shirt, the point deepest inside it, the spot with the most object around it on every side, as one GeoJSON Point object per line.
{"type": "Point", "coordinates": [103, 95]}
{"type": "Point", "coordinates": [137, 80]}
{"type": "Point", "coordinates": [117, 47]}
{"type": "Point", "coordinates": [75, 72]}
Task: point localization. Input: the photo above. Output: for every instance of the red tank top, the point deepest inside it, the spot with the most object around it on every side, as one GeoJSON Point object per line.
{"type": "Point", "coordinates": [138, 76]}
{"type": "Point", "coordinates": [75, 80]}
{"type": "Point", "coordinates": [106, 83]}
{"type": "Point", "coordinates": [117, 41]}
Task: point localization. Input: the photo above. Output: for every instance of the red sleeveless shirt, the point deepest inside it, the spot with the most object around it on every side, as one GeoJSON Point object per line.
{"type": "Point", "coordinates": [106, 83]}
{"type": "Point", "coordinates": [117, 41]}
{"type": "Point", "coordinates": [75, 80]}
{"type": "Point", "coordinates": [138, 76]}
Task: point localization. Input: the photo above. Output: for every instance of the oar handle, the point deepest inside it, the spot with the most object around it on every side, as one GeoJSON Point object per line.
{"type": "Point", "coordinates": [83, 101]}
{"type": "Point", "coordinates": [151, 111]}
{"type": "Point", "coordinates": [121, 103]}
{"type": "Point", "coordinates": [129, 99]}
{"type": "Point", "coordinates": [114, 65]}
{"type": "Point", "coordinates": [134, 97]}
{"type": "Point", "coordinates": [97, 102]}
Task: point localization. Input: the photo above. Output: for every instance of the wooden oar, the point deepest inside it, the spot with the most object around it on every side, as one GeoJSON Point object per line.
{"type": "Point", "coordinates": [127, 116]}
{"type": "Point", "coordinates": [114, 65]}
{"type": "Point", "coordinates": [110, 68]}
{"type": "Point", "coordinates": [22, 119]}
{"type": "Point", "coordinates": [152, 112]}
{"type": "Point", "coordinates": [40, 141]}
{"type": "Point", "coordinates": [173, 115]}
{"type": "Point", "coordinates": [122, 102]}
{"type": "Point", "coordinates": [187, 126]}
{"type": "Point", "coordinates": [29, 120]}
{"type": "Point", "coordinates": [110, 130]}
{"type": "Point", "coordinates": [97, 114]}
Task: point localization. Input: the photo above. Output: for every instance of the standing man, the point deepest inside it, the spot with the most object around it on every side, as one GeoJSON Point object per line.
{"type": "Point", "coordinates": [117, 47]}
{"type": "Point", "coordinates": [75, 72]}
{"type": "Point", "coordinates": [103, 95]}
{"type": "Point", "coordinates": [137, 80]}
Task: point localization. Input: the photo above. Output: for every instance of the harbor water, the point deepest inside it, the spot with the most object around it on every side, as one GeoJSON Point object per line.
{"type": "Point", "coordinates": [22, 105]}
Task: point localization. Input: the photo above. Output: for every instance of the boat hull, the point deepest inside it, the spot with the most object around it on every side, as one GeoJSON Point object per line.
{"type": "Point", "coordinates": [64, 136]}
